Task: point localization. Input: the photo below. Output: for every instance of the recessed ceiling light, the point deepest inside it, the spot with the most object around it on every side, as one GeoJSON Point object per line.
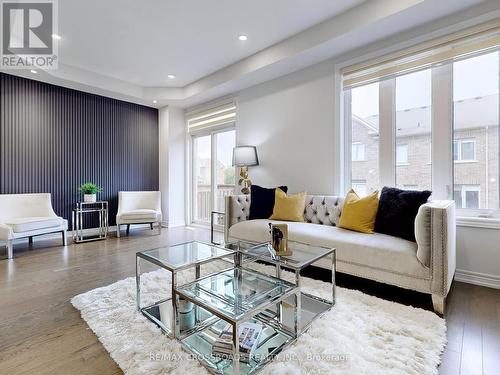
{"type": "Point", "coordinates": [155, 101]}
{"type": "Point", "coordinates": [242, 37]}
{"type": "Point", "coordinates": [33, 71]}
{"type": "Point", "coordinates": [171, 76]}
{"type": "Point", "coordinates": [55, 36]}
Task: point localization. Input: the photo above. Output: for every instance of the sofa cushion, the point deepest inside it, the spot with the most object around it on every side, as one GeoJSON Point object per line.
{"type": "Point", "coordinates": [397, 211]}
{"type": "Point", "coordinates": [28, 224]}
{"type": "Point", "coordinates": [139, 215]}
{"type": "Point", "coordinates": [289, 207]}
{"type": "Point", "coordinates": [262, 201]}
{"type": "Point", "coordinates": [376, 250]}
{"type": "Point", "coordinates": [358, 213]}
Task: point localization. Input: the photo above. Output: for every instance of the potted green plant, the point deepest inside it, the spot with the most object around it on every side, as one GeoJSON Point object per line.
{"type": "Point", "coordinates": [89, 191]}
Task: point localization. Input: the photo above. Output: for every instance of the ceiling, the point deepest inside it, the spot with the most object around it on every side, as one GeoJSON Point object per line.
{"type": "Point", "coordinates": [141, 42]}
{"type": "Point", "coordinates": [126, 48]}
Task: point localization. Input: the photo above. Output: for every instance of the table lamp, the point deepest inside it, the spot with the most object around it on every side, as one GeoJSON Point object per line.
{"type": "Point", "coordinates": [244, 157]}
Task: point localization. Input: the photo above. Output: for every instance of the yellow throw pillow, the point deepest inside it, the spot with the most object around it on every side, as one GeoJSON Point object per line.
{"type": "Point", "coordinates": [359, 214]}
{"type": "Point", "coordinates": [288, 207]}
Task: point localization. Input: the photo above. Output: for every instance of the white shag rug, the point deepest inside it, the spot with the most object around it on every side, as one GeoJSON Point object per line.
{"type": "Point", "coordinates": [360, 335]}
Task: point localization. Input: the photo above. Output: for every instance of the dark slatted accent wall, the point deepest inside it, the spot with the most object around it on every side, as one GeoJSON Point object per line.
{"type": "Point", "coordinates": [52, 139]}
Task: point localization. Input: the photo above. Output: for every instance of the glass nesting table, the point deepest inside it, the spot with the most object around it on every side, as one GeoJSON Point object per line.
{"type": "Point", "coordinates": [175, 259]}
{"type": "Point", "coordinates": [199, 312]}
{"type": "Point", "coordinates": [302, 256]}
{"type": "Point", "coordinates": [238, 296]}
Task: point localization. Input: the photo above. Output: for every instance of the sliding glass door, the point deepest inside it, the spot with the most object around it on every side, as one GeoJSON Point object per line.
{"type": "Point", "coordinates": [213, 173]}
{"type": "Point", "coordinates": [202, 176]}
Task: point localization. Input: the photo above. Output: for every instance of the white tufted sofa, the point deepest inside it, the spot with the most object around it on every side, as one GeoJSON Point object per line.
{"type": "Point", "coordinates": [28, 215]}
{"type": "Point", "coordinates": [426, 266]}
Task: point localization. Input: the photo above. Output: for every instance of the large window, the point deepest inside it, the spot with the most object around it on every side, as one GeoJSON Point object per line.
{"type": "Point", "coordinates": [475, 132]}
{"type": "Point", "coordinates": [213, 173]}
{"type": "Point", "coordinates": [447, 108]}
{"type": "Point", "coordinates": [364, 138]}
{"type": "Point", "coordinates": [413, 133]}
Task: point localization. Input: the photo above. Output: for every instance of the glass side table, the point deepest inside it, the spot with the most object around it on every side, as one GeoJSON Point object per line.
{"type": "Point", "coordinates": [237, 296]}
{"type": "Point", "coordinates": [174, 259]}
{"type": "Point", "coordinates": [303, 255]}
{"type": "Point", "coordinates": [84, 208]}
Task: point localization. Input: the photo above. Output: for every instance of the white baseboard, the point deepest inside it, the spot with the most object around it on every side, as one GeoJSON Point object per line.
{"type": "Point", "coordinates": [173, 224]}
{"type": "Point", "coordinates": [477, 278]}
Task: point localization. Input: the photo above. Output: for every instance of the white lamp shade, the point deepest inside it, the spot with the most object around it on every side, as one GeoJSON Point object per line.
{"type": "Point", "coordinates": [245, 156]}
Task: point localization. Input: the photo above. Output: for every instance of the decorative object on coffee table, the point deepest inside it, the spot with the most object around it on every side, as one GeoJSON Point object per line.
{"type": "Point", "coordinates": [279, 239]}
{"type": "Point", "coordinates": [244, 157]}
{"type": "Point", "coordinates": [89, 191]}
{"type": "Point", "coordinates": [77, 223]}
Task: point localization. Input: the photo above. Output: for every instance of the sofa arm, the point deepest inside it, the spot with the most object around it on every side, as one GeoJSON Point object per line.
{"type": "Point", "coordinates": [237, 209]}
{"type": "Point", "coordinates": [435, 232]}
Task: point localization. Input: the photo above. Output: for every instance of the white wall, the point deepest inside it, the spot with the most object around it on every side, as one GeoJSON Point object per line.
{"type": "Point", "coordinates": [478, 256]}
{"type": "Point", "coordinates": [291, 121]}
{"type": "Point", "coordinates": [172, 165]}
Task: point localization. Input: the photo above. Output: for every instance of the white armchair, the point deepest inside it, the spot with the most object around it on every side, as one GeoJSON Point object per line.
{"type": "Point", "coordinates": [28, 215]}
{"type": "Point", "coordinates": [138, 207]}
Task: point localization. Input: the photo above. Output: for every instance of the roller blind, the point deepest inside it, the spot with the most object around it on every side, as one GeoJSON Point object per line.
{"type": "Point", "coordinates": [211, 116]}
{"type": "Point", "coordinates": [465, 43]}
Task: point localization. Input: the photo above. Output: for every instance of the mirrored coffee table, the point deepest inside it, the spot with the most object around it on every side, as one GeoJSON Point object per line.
{"type": "Point", "coordinates": [303, 255]}
{"type": "Point", "coordinates": [175, 259]}
{"type": "Point", "coordinates": [238, 296]}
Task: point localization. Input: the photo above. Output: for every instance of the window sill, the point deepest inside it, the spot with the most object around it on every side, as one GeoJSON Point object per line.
{"type": "Point", "coordinates": [478, 222]}
{"type": "Point", "coordinates": [464, 161]}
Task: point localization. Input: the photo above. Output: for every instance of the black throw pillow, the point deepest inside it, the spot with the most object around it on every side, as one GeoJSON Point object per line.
{"type": "Point", "coordinates": [262, 201]}
{"type": "Point", "coordinates": [397, 210]}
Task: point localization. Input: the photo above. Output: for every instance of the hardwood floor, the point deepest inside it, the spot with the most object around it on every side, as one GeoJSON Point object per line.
{"type": "Point", "coordinates": [41, 332]}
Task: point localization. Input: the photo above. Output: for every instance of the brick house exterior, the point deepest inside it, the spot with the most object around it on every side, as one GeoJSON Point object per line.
{"type": "Point", "coordinates": [476, 153]}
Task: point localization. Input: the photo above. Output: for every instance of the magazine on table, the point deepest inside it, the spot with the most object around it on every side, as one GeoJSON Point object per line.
{"type": "Point", "coordinates": [248, 339]}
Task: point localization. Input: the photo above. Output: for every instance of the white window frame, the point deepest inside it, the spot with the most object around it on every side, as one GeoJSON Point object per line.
{"type": "Point", "coordinates": [410, 187]}
{"type": "Point", "coordinates": [441, 140]}
{"type": "Point", "coordinates": [405, 162]}
{"type": "Point", "coordinates": [359, 183]}
{"type": "Point", "coordinates": [463, 195]}
{"type": "Point", "coordinates": [213, 177]}
{"type": "Point", "coordinates": [459, 143]}
{"type": "Point", "coordinates": [359, 146]}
